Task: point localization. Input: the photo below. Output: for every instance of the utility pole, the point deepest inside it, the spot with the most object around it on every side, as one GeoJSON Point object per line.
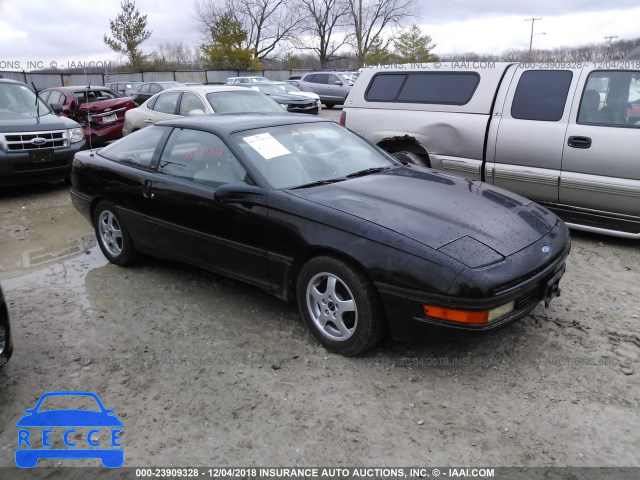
{"type": "Point", "coordinates": [609, 38]}
{"type": "Point", "coordinates": [533, 22]}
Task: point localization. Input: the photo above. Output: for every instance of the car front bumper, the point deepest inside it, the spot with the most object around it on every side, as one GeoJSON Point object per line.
{"type": "Point", "coordinates": [404, 308]}
{"type": "Point", "coordinates": [22, 167]}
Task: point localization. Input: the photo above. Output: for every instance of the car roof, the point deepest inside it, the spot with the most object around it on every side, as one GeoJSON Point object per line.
{"type": "Point", "coordinates": [8, 80]}
{"type": "Point", "coordinates": [228, 123]}
{"type": "Point", "coordinates": [205, 88]}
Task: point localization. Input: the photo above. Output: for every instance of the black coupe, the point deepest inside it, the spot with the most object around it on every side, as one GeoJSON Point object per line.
{"type": "Point", "coordinates": [313, 213]}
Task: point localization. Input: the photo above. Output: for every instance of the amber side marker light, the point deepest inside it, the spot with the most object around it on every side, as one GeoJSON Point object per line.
{"type": "Point", "coordinates": [468, 317]}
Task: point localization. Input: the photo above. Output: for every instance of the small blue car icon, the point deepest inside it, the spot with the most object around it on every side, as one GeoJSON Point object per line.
{"type": "Point", "coordinates": [103, 423]}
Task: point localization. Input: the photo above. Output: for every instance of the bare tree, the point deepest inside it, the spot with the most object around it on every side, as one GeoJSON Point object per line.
{"type": "Point", "coordinates": [369, 18]}
{"type": "Point", "coordinates": [325, 20]}
{"type": "Point", "coordinates": [269, 24]}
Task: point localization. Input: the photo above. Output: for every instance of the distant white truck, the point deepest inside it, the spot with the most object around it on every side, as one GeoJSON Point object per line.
{"type": "Point", "coordinates": [565, 134]}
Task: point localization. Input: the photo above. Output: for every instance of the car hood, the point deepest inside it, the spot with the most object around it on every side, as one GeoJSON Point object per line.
{"type": "Point", "coordinates": [437, 209]}
{"type": "Point", "coordinates": [287, 98]}
{"type": "Point", "coordinates": [33, 124]}
{"type": "Point", "coordinates": [69, 418]}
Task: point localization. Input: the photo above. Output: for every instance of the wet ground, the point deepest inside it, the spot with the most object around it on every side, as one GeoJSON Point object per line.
{"type": "Point", "coordinates": [207, 371]}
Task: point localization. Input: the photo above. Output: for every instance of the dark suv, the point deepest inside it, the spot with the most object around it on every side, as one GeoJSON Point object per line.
{"type": "Point", "coordinates": [332, 87]}
{"type": "Point", "coordinates": [35, 144]}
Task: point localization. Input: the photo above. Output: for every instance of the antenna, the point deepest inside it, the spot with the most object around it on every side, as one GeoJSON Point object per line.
{"type": "Point", "coordinates": [88, 115]}
{"type": "Point", "coordinates": [37, 103]}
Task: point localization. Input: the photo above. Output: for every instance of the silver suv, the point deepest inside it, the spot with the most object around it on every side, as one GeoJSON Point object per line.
{"type": "Point", "coordinates": [332, 87]}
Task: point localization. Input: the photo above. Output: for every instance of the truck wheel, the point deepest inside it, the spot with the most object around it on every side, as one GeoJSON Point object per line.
{"type": "Point", "coordinates": [340, 306]}
{"type": "Point", "coordinates": [412, 158]}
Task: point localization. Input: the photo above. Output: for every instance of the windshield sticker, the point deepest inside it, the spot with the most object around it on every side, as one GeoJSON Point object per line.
{"type": "Point", "coordinates": [266, 145]}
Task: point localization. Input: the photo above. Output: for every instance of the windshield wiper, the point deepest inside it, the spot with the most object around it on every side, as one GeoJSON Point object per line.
{"type": "Point", "coordinates": [318, 183]}
{"type": "Point", "coordinates": [367, 171]}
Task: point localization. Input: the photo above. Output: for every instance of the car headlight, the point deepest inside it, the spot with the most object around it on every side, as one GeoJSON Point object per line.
{"type": "Point", "coordinates": [75, 135]}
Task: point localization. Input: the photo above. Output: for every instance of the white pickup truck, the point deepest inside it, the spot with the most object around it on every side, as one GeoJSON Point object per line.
{"type": "Point", "coordinates": [565, 134]}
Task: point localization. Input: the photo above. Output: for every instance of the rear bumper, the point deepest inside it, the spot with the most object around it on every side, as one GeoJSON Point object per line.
{"type": "Point", "coordinates": [103, 134]}
{"type": "Point", "coordinates": [18, 168]}
{"type": "Point", "coordinates": [407, 320]}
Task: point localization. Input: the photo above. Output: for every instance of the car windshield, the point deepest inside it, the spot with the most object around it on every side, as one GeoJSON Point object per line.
{"type": "Point", "coordinates": [242, 101]}
{"type": "Point", "coordinates": [95, 95]}
{"type": "Point", "coordinates": [268, 89]}
{"type": "Point", "coordinates": [18, 101]}
{"type": "Point", "coordinates": [287, 87]}
{"type": "Point", "coordinates": [170, 84]}
{"type": "Point", "coordinates": [297, 155]}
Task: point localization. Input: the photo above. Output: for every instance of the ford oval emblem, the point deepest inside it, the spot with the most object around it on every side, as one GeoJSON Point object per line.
{"type": "Point", "coordinates": [546, 249]}
{"type": "Point", "coordinates": [38, 141]}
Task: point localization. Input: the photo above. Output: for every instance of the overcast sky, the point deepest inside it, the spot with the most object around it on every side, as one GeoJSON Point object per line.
{"type": "Point", "coordinates": [72, 30]}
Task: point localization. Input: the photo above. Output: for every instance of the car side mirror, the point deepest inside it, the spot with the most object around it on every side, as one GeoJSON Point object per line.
{"type": "Point", "coordinates": [56, 107]}
{"type": "Point", "coordinates": [240, 193]}
{"type": "Point", "coordinates": [338, 82]}
{"type": "Point", "coordinates": [197, 111]}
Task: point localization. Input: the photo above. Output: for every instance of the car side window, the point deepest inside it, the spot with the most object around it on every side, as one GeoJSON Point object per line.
{"type": "Point", "coordinates": [166, 103]}
{"type": "Point", "coordinates": [145, 88]}
{"type": "Point", "coordinates": [541, 95]}
{"type": "Point", "coordinates": [136, 149]}
{"type": "Point", "coordinates": [333, 79]}
{"type": "Point", "coordinates": [200, 157]}
{"type": "Point", "coordinates": [191, 102]}
{"type": "Point", "coordinates": [322, 78]}
{"type": "Point", "coordinates": [153, 89]}
{"type": "Point", "coordinates": [56, 97]}
{"type": "Point", "coordinates": [44, 96]}
{"type": "Point", "coordinates": [611, 98]}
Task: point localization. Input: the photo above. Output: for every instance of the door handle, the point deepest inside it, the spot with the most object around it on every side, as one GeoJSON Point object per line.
{"type": "Point", "coordinates": [579, 142]}
{"type": "Point", "coordinates": [148, 120]}
{"type": "Point", "coordinates": [146, 189]}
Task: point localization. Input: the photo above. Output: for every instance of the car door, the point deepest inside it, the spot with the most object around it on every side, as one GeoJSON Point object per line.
{"type": "Point", "coordinates": [164, 107]}
{"type": "Point", "coordinates": [189, 224]}
{"type": "Point", "coordinates": [334, 88]}
{"type": "Point", "coordinates": [601, 161]}
{"type": "Point", "coordinates": [123, 183]}
{"type": "Point", "coordinates": [530, 128]}
{"type": "Point", "coordinates": [191, 104]}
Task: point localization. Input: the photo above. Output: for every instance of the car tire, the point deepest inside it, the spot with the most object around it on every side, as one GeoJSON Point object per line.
{"type": "Point", "coordinates": [113, 236]}
{"type": "Point", "coordinates": [412, 158]}
{"type": "Point", "coordinates": [340, 306]}
{"type": "Point", "coordinates": [329, 105]}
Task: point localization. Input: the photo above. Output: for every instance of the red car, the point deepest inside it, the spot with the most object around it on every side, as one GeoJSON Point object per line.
{"type": "Point", "coordinates": [99, 110]}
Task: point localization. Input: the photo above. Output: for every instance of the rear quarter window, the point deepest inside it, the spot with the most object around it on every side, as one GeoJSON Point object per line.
{"type": "Point", "coordinates": [423, 87]}
{"type": "Point", "coordinates": [541, 95]}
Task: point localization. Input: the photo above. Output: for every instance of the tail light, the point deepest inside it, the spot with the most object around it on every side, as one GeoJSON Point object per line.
{"type": "Point", "coordinates": [343, 118]}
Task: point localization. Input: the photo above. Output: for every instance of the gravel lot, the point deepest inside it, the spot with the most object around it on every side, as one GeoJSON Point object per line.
{"type": "Point", "coordinates": [207, 371]}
